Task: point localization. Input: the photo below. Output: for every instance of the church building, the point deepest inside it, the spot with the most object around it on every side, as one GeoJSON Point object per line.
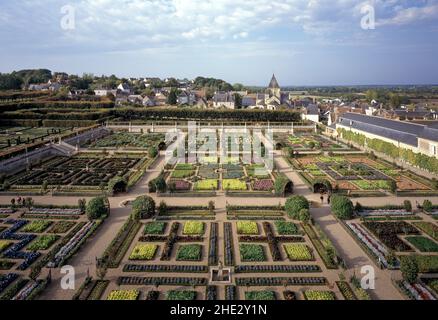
{"type": "Point", "coordinates": [271, 99]}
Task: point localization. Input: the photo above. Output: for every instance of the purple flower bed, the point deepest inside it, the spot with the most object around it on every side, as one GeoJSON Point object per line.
{"type": "Point", "coordinates": [6, 280]}
{"type": "Point", "coordinates": [263, 185]}
{"type": "Point", "coordinates": [182, 185]}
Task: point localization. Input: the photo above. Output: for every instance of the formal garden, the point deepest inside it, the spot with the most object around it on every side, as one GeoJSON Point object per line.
{"type": "Point", "coordinates": [397, 239]}
{"type": "Point", "coordinates": [35, 237]}
{"type": "Point", "coordinates": [83, 174]}
{"type": "Point", "coordinates": [15, 136]}
{"type": "Point", "coordinates": [302, 142]}
{"type": "Point", "coordinates": [236, 179]}
{"type": "Point", "coordinates": [359, 175]}
{"type": "Point", "coordinates": [171, 258]}
{"type": "Point", "coordinates": [129, 140]}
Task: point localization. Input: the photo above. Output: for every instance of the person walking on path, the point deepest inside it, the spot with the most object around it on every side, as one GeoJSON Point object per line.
{"type": "Point", "coordinates": [322, 198]}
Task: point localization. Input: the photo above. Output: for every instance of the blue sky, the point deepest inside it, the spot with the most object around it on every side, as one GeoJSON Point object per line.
{"type": "Point", "coordinates": [305, 42]}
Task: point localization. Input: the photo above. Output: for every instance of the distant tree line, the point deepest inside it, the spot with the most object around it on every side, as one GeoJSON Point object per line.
{"type": "Point", "coordinates": [16, 79]}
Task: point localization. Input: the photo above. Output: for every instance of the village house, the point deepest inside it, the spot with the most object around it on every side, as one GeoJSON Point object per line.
{"type": "Point", "coordinates": [148, 102]}
{"type": "Point", "coordinates": [135, 98]}
{"type": "Point", "coordinates": [224, 100]}
{"type": "Point", "coordinates": [311, 113]}
{"type": "Point", "coordinates": [125, 88]}
{"type": "Point", "coordinates": [186, 98]}
{"type": "Point", "coordinates": [411, 115]}
{"type": "Point", "coordinates": [104, 92]}
{"type": "Point", "coordinates": [160, 99]}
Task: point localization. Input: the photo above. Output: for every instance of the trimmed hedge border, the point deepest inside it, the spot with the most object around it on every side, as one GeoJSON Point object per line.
{"type": "Point", "coordinates": [228, 244]}
{"type": "Point", "coordinates": [277, 269]}
{"type": "Point", "coordinates": [280, 281]}
{"type": "Point", "coordinates": [230, 293]}
{"type": "Point", "coordinates": [165, 268]}
{"type": "Point", "coordinates": [213, 244]}
{"type": "Point", "coordinates": [163, 281]}
{"type": "Point", "coordinates": [311, 233]}
{"type": "Point", "coordinates": [125, 236]}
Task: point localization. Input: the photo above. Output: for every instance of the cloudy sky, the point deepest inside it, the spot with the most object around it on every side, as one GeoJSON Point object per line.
{"type": "Point", "coordinates": [305, 42]}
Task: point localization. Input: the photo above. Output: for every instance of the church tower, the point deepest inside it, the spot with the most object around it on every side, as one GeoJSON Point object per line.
{"type": "Point", "coordinates": [274, 87]}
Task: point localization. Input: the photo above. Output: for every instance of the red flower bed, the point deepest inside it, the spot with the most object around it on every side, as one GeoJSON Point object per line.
{"type": "Point", "coordinates": [182, 185]}
{"type": "Point", "coordinates": [263, 185]}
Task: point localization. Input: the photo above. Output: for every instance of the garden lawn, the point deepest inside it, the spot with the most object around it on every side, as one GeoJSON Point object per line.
{"type": "Point", "coordinates": [61, 226]}
{"type": "Point", "coordinates": [298, 252]}
{"type": "Point", "coordinates": [426, 264]}
{"type": "Point", "coordinates": [252, 252]}
{"type": "Point", "coordinates": [372, 185]}
{"type": "Point", "coordinates": [208, 184]}
{"type": "Point", "coordinates": [247, 227]}
{"type": "Point", "coordinates": [423, 244]}
{"type": "Point", "coordinates": [124, 295]}
{"type": "Point", "coordinates": [233, 184]}
{"type": "Point", "coordinates": [4, 244]}
{"type": "Point", "coordinates": [179, 174]}
{"type": "Point", "coordinates": [260, 295]}
{"type": "Point", "coordinates": [184, 166]}
{"type": "Point", "coordinates": [37, 226]}
{"type": "Point", "coordinates": [193, 228]}
{"type": "Point", "coordinates": [319, 295]}
{"type": "Point", "coordinates": [286, 228]}
{"type": "Point", "coordinates": [154, 228]}
{"type": "Point", "coordinates": [43, 242]}
{"type": "Point", "coordinates": [181, 295]}
{"type": "Point", "coordinates": [429, 228]}
{"type": "Point", "coordinates": [191, 252]}
{"type": "Point", "coordinates": [143, 252]}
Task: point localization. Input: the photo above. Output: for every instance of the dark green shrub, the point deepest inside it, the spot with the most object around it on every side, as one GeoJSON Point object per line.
{"type": "Point", "coordinates": [427, 206]}
{"type": "Point", "coordinates": [342, 207]}
{"type": "Point", "coordinates": [407, 205]}
{"type": "Point", "coordinates": [294, 205]}
{"type": "Point", "coordinates": [97, 208]}
{"type": "Point", "coordinates": [143, 208]}
{"type": "Point", "coordinates": [152, 152]}
{"type": "Point", "coordinates": [409, 268]}
{"type": "Point", "coordinates": [304, 215]}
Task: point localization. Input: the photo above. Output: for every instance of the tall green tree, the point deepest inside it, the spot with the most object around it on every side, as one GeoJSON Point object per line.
{"type": "Point", "coordinates": [97, 208]}
{"type": "Point", "coordinates": [238, 101]}
{"type": "Point", "coordinates": [172, 98]}
{"type": "Point", "coordinates": [394, 100]}
{"type": "Point", "coordinates": [143, 207]}
{"type": "Point", "coordinates": [342, 207]}
{"type": "Point", "coordinates": [294, 205]}
{"type": "Point", "coordinates": [10, 82]}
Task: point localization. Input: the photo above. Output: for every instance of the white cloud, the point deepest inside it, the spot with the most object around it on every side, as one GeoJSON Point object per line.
{"type": "Point", "coordinates": [405, 16]}
{"type": "Point", "coordinates": [114, 24]}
